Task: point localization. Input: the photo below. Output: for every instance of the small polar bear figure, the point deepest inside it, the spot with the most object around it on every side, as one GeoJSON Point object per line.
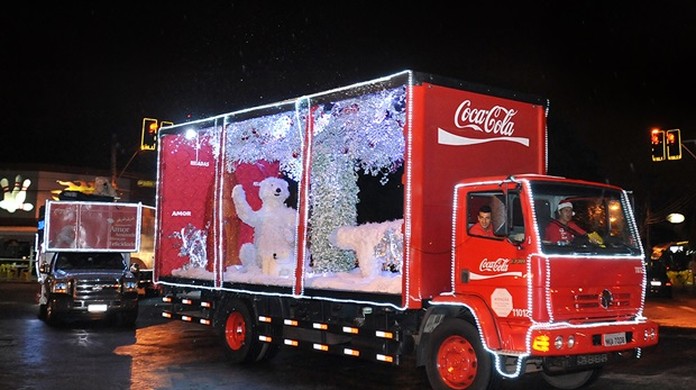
{"type": "Point", "coordinates": [274, 227]}
{"type": "Point", "coordinates": [363, 239]}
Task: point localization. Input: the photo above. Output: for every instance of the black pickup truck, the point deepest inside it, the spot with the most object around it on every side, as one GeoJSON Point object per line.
{"type": "Point", "coordinates": [88, 286]}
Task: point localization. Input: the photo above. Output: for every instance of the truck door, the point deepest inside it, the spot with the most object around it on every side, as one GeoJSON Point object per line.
{"type": "Point", "coordinates": [492, 265]}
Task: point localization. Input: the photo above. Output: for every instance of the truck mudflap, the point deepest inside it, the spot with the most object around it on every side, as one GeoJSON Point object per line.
{"type": "Point", "coordinates": [362, 341]}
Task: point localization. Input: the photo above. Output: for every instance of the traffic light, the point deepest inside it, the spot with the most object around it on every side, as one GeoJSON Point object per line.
{"type": "Point", "coordinates": [674, 146]}
{"type": "Point", "coordinates": [149, 136]}
{"type": "Point", "coordinates": [657, 143]}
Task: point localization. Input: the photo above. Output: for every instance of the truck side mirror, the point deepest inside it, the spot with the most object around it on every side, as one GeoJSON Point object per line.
{"type": "Point", "coordinates": [134, 268]}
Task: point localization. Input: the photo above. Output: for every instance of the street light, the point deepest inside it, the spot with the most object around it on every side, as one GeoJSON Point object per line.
{"type": "Point", "coordinates": [675, 218]}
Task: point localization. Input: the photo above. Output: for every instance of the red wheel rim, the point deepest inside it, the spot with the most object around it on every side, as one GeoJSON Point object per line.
{"type": "Point", "coordinates": [457, 362]}
{"type": "Point", "coordinates": [235, 331]}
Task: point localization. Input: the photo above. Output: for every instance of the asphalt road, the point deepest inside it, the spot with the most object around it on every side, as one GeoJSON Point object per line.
{"type": "Point", "coordinates": [163, 354]}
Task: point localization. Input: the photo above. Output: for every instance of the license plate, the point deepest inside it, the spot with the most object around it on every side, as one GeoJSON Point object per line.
{"type": "Point", "coordinates": [99, 308]}
{"type": "Point", "coordinates": [612, 339]}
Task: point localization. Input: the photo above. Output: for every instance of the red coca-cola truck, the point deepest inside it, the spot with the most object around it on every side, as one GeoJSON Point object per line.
{"type": "Point", "coordinates": [340, 222]}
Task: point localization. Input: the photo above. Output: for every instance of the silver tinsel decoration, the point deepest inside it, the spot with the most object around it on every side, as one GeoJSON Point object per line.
{"type": "Point", "coordinates": [193, 245]}
{"type": "Point", "coordinates": [390, 249]}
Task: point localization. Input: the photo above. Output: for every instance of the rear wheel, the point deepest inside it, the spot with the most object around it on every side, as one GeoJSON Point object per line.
{"type": "Point", "coordinates": [456, 358]}
{"type": "Point", "coordinates": [240, 335]}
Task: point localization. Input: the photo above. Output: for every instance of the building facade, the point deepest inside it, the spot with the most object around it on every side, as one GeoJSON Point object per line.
{"type": "Point", "coordinates": [27, 188]}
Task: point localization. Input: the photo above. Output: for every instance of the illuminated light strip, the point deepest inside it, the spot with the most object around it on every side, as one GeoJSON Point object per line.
{"type": "Point", "coordinates": [406, 277]}
{"type": "Point", "coordinates": [531, 256]}
{"type": "Point", "coordinates": [166, 314]}
{"type": "Point", "coordinates": [453, 243]}
{"type": "Point", "coordinates": [269, 294]}
{"type": "Point", "coordinates": [546, 136]}
{"type": "Point", "coordinates": [319, 326]}
{"type": "Point", "coordinates": [626, 204]}
{"type": "Point", "coordinates": [265, 339]}
{"type": "Point", "coordinates": [186, 301]}
{"type": "Point", "coordinates": [218, 267]}
{"type": "Point", "coordinates": [206, 304]}
{"type": "Point", "coordinates": [320, 347]}
{"type": "Point", "coordinates": [265, 319]}
{"type": "Point", "coordinates": [351, 352]}
{"type": "Point", "coordinates": [384, 358]}
{"type": "Point", "coordinates": [302, 192]}
{"type": "Point", "coordinates": [186, 318]}
{"type": "Point", "coordinates": [204, 321]}
{"type": "Point", "coordinates": [288, 101]}
{"type": "Point", "coordinates": [351, 330]}
{"type": "Point", "coordinates": [290, 322]}
{"type": "Point", "coordinates": [292, 343]}
{"type": "Point", "coordinates": [384, 335]}
{"type": "Point", "coordinates": [167, 299]}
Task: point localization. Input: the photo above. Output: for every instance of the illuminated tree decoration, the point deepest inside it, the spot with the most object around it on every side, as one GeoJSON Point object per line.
{"type": "Point", "coordinates": [352, 135]}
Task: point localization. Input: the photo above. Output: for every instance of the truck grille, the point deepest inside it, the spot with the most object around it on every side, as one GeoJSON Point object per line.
{"type": "Point", "coordinates": [96, 289]}
{"type": "Point", "coordinates": [594, 301]}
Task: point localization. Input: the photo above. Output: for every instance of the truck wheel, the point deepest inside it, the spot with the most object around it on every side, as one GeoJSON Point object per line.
{"type": "Point", "coordinates": [52, 316]}
{"type": "Point", "coordinates": [572, 381]}
{"type": "Point", "coordinates": [456, 358]}
{"type": "Point", "coordinates": [240, 336]}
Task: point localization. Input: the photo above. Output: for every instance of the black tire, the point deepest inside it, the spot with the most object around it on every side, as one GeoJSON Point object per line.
{"type": "Point", "coordinates": [456, 359]}
{"type": "Point", "coordinates": [573, 380]}
{"type": "Point", "coordinates": [240, 335]}
{"type": "Point", "coordinates": [52, 315]}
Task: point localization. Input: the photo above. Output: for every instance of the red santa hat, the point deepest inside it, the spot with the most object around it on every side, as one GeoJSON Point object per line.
{"type": "Point", "coordinates": [564, 204]}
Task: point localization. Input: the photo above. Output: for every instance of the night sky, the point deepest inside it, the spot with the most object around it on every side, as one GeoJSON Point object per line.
{"type": "Point", "coordinates": [78, 75]}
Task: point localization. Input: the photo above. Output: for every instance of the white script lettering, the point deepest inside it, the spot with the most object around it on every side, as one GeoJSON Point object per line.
{"type": "Point", "coordinates": [497, 120]}
{"type": "Point", "coordinates": [499, 265]}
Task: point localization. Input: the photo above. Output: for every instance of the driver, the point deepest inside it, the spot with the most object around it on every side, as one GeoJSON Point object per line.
{"type": "Point", "coordinates": [564, 230]}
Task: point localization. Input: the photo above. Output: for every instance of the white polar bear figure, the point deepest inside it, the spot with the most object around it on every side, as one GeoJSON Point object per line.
{"type": "Point", "coordinates": [363, 239]}
{"type": "Point", "coordinates": [274, 227]}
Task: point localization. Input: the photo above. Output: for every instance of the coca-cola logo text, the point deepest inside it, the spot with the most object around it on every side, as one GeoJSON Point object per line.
{"type": "Point", "coordinates": [498, 265]}
{"type": "Point", "coordinates": [496, 120]}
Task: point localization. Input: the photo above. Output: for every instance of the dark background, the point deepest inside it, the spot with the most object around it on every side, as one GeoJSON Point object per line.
{"type": "Point", "coordinates": [77, 77]}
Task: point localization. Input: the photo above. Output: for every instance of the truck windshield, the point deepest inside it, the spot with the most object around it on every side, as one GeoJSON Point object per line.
{"type": "Point", "coordinates": [90, 261]}
{"type": "Point", "coordinates": [584, 219]}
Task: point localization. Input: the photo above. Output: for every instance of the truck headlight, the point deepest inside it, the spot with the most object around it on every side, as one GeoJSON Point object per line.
{"type": "Point", "coordinates": [60, 287]}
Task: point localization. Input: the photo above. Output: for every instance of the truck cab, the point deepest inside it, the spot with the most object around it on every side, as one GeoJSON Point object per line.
{"type": "Point", "coordinates": [585, 293]}
{"type": "Point", "coordinates": [88, 286]}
